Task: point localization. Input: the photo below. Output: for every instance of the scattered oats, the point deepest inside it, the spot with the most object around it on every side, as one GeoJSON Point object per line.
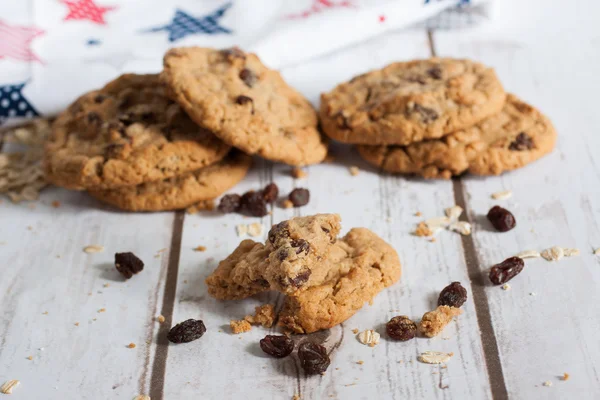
{"type": "Point", "coordinates": [30, 358]}
{"type": "Point", "coordinates": [532, 293]}
{"type": "Point", "coordinates": [597, 251]}
{"type": "Point", "coordinates": [299, 173]}
{"type": "Point", "coordinates": [353, 170]}
{"type": "Point", "coordinates": [200, 248]}
{"type": "Point", "coordinates": [369, 337]}
{"type": "Point", "coordinates": [529, 254]}
{"type": "Point", "coordinates": [102, 310]}
{"type": "Point", "coordinates": [571, 252]}
{"type": "Point", "coordinates": [453, 212]}
{"type": "Point", "coordinates": [255, 229]}
{"type": "Point", "coordinates": [437, 222]}
{"type": "Point", "coordinates": [8, 386]}
{"type": "Point", "coordinates": [418, 214]}
{"type": "Point", "coordinates": [355, 331]}
{"type": "Point", "coordinates": [160, 319]}
{"type": "Point", "coordinates": [553, 254]}
{"type": "Point", "coordinates": [547, 383]}
{"type": "Point", "coordinates": [503, 195]}
{"type": "Point", "coordinates": [506, 286]}
{"type": "Point", "coordinates": [434, 357]}
{"type": "Point", "coordinates": [93, 248]}
{"type": "Point", "coordinates": [422, 230]}
{"type": "Point", "coordinates": [287, 203]}
{"type": "Point", "coordinates": [565, 377]}
{"type": "Point", "coordinates": [241, 229]}
{"type": "Point", "coordinates": [462, 227]}
{"type": "Point", "coordinates": [131, 346]}
{"type": "Point", "coordinates": [142, 397]}
{"type": "Point", "coordinates": [106, 285]}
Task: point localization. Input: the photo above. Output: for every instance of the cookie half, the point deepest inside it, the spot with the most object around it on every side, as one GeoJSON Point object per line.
{"type": "Point", "coordinates": [180, 191]}
{"type": "Point", "coordinates": [244, 103]}
{"type": "Point", "coordinates": [124, 134]}
{"type": "Point", "coordinates": [513, 138]}
{"type": "Point", "coordinates": [408, 102]}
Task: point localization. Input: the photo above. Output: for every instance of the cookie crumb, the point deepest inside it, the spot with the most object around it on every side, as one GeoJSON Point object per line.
{"type": "Point", "coordinates": [255, 229]}
{"type": "Point", "coordinates": [93, 248]}
{"type": "Point", "coordinates": [369, 337]}
{"type": "Point", "coordinates": [434, 357]}
{"type": "Point", "coordinates": [30, 358]}
{"type": "Point", "coordinates": [45, 313]}
{"type": "Point", "coordinates": [102, 310]}
{"type": "Point", "coordinates": [360, 362]}
{"type": "Point", "coordinates": [287, 203]}
{"type": "Point", "coordinates": [565, 376]}
{"type": "Point", "coordinates": [432, 240]}
{"type": "Point", "coordinates": [56, 204]}
{"type": "Point", "coordinates": [204, 205]}
{"type": "Point", "coordinates": [142, 397]}
{"type": "Point", "coordinates": [299, 173]}
{"type": "Point", "coordinates": [433, 322]}
{"type": "Point", "coordinates": [76, 324]}
{"type": "Point", "coordinates": [355, 331]}
{"type": "Point", "coordinates": [423, 230]}
{"type": "Point", "coordinates": [241, 229]}
{"type": "Point", "coordinates": [529, 254]}
{"type": "Point", "coordinates": [502, 195]}
{"type": "Point", "coordinates": [506, 286]}
{"type": "Point", "coordinates": [200, 248]}
{"type": "Point", "coordinates": [418, 214]}
{"type": "Point", "coordinates": [131, 346]}
{"type": "Point", "coordinates": [263, 315]}
{"type": "Point", "coordinates": [106, 285]}
{"type": "Point", "coordinates": [553, 253]}
{"type": "Point", "coordinates": [160, 319]}
{"type": "Point", "coordinates": [239, 326]}
{"type": "Point", "coordinates": [354, 170]}
{"type": "Point", "coordinates": [8, 386]}
{"type": "Point", "coordinates": [547, 383]}
{"type": "Point", "coordinates": [296, 397]}
{"type": "Point", "coordinates": [453, 212]}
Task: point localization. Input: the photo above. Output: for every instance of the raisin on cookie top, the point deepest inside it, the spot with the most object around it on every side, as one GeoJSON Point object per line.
{"type": "Point", "coordinates": [408, 102]}
{"type": "Point", "coordinates": [516, 136]}
{"type": "Point", "coordinates": [180, 191]}
{"type": "Point", "coordinates": [124, 134]}
{"type": "Point", "coordinates": [244, 103]}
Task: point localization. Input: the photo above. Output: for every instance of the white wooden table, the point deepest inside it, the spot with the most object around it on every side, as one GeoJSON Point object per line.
{"type": "Point", "coordinates": [506, 344]}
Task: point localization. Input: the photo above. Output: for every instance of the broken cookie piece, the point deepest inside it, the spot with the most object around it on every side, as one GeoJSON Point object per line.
{"type": "Point", "coordinates": [433, 322]}
{"type": "Point", "coordinates": [263, 315]}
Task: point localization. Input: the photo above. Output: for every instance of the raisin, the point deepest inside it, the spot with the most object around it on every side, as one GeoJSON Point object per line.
{"type": "Point", "coordinates": [435, 72]}
{"type": "Point", "coordinates": [522, 142]}
{"type": "Point", "coordinates": [506, 270]}
{"type": "Point", "coordinates": [248, 77]}
{"type": "Point", "coordinates": [299, 197]}
{"type": "Point", "coordinates": [253, 203]}
{"type": "Point", "coordinates": [230, 203]}
{"type": "Point", "coordinates": [128, 264]}
{"type": "Point", "coordinates": [241, 100]}
{"type": "Point", "coordinates": [99, 98]}
{"type": "Point", "coordinates": [277, 345]}
{"type": "Point", "coordinates": [501, 219]}
{"type": "Point", "coordinates": [233, 53]}
{"type": "Point", "coordinates": [401, 328]}
{"type": "Point", "coordinates": [279, 230]}
{"type": "Point", "coordinates": [300, 245]}
{"type": "Point", "coordinates": [428, 115]}
{"type": "Point", "coordinates": [270, 193]}
{"type": "Point", "coordinates": [453, 295]}
{"type": "Point", "coordinates": [342, 120]}
{"type": "Point", "coordinates": [313, 358]}
{"type": "Point", "coordinates": [187, 331]}
{"type": "Point", "coordinates": [93, 118]}
{"type": "Point", "coordinates": [300, 279]}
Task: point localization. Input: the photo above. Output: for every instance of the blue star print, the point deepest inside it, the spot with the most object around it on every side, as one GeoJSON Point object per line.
{"type": "Point", "coordinates": [13, 104]}
{"type": "Point", "coordinates": [184, 24]}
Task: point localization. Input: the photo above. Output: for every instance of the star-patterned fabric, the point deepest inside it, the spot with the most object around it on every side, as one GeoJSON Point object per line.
{"type": "Point", "coordinates": [51, 52]}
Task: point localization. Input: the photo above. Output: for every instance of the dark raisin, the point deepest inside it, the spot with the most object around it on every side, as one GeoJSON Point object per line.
{"type": "Point", "coordinates": [506, 270]}
{"type": "Point", "coordinates": [99, 98]}
{"type": "Point", "coordinates": [253, 203]}
{"type": "Point", "coordinates": [233, 53]}
{"type": "Point", "coordinates": [248, 77]}
{"type": "Point", "coordinates": [300, 279]}
{"type": "Point", "coordinates": [522, 142]}
{"type": "Point", "coordinates": [280, 230]}
{"type": "Point", "coordinates": [93, 118]}
{"type": "Point", "coordinates": [128, 264]}
{"type": "Point", "coordinates": [313, 358]}
{"type": "Point", "coordinates": [230, 203]}
{"type": "Point", "coordinates": [418, 79]}
{"type": "Point", "coordinates": [282, 254]}
{"type": "Point", "coordinates": [453, 295]}
{"type": "Point", "coordinates": [501, 218]}
{"type": "Point", "coordinates": [187, 331]}
{"type": "Point", "coordinates": [401, 328]}
{"type": "Point", "coordinates": [428, 115]}
{"type": "Point", "coordinates": [241, 100]}
{"type": "Point", "coordinates": [299, 197]}
{"type": "Point", "coordinates": [277, 345]}
{"type": "Point", "coordinates": [300, 245]}
{"type": "Point", "coordinates": [435, 72]}
{"type": "Point", "coordinates": [126, 119]}
{"type": "Point", "coordinates": [270, 192]}
{"type": "Point", "coordinates": [113, 150]}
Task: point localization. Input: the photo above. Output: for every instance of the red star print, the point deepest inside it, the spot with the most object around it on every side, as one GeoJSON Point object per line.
{"type": "Point", "coordinates": [15, 42]}
{"type": "Point", "coordinates": [320, 6]}
{"type": "Point", "coordinates": [86, 9]}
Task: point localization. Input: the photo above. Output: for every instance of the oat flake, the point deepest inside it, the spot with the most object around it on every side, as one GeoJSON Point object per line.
{"type": "Point", "coordinates": [503, 195]}
{"type": "Point", "coordinates": [547, 383]}
{"type": "Point", "coordinates": [435, 357]}
{"type": "Point", "coordinates": [571, 252]}
{"type": "Point", "coordinates": [369, 337]}
{"type": "Point", "coordinates": [142, 397]}
{"type": "Point", "coordinates": [8, 386]}
{"type": "Point", "coordinates": [255, 229]}
{"type": "Point", "coordinates": [597, 251]}
{"type": "Point", "coordinates": [453, 212]}
{"type": "Point", "coordinates": [529, 254]}
{"type": "Point", "coordinates": [93, 248]}
{"type": "Point", "coordinates": [438, 222]}
{"type": "Point", "coordinates": [242, 229]}
{"type": "Point", "coordinates": [506, 286]}
{"type": "Point", "coordinates": [462, 227]}
{"type": "Point", "coordinates": [553, 254]}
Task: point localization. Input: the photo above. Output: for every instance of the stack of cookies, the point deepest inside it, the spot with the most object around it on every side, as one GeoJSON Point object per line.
{"type": "Point", "coordinates": [169, 141]}
{"type": "Point", "coordinates": [436, 118]}
{"type": "Point", "coordinates": [326, 280]}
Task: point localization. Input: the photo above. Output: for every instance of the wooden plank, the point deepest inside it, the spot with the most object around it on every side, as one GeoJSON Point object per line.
{"type": "Point", "coordinates": [45, 270]}
{"type": "Point", "coordinates": [230, 366]}
{"type": "Point", "coordinates": [555, 201]}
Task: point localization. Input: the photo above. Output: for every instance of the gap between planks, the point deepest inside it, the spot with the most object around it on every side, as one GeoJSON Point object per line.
{"type": "Point", "coordinates": [489, 341]}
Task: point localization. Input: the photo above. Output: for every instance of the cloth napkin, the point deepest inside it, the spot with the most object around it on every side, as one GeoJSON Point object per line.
{"type": "Point", "coordinates": [52, 51]}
